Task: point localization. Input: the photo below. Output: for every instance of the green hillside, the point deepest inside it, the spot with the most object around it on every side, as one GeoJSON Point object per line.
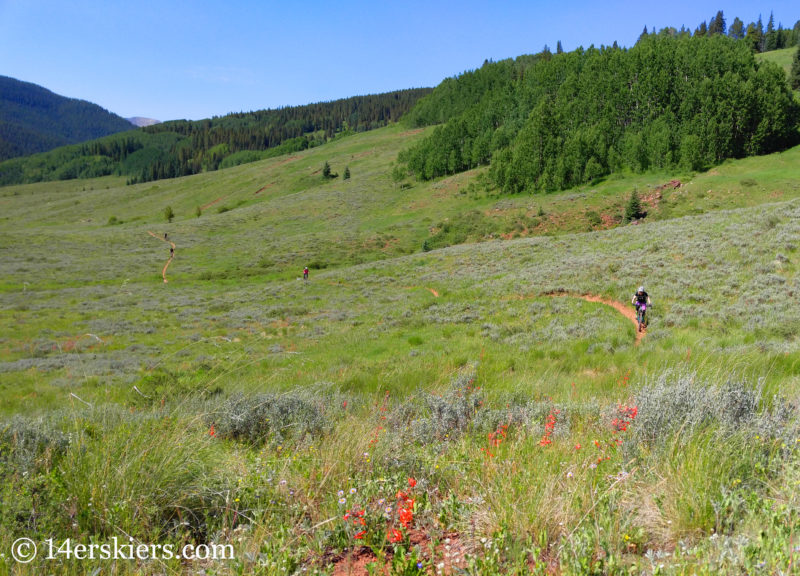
{"type": "Point", "coordinates": [554, 121]}
{"type": "Point", "coordinates": [239, 404]}
{"type": "Point", "coordinates": [181, 147]}
{"type": "Point", "coordinates": [782, 58]}
{"type": "Point", "coordinates": [33, 119]}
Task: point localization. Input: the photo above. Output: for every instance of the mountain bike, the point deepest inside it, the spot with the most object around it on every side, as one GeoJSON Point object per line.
{"type": "Point", "coordinates": [641, 317]}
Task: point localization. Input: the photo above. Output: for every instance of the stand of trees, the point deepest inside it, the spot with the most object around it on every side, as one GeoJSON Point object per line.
{"type": "Point", "coordinates": [549, 122]}
{"type": "Point", "coordinates": [183, 147]}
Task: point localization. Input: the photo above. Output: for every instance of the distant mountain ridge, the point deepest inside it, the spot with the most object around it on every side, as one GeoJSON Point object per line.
{"type": "Point", "coordinates": [34, 119]}
{"type": "Point", "coordinates": [142, 122]}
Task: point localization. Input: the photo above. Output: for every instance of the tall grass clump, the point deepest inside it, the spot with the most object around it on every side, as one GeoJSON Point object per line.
{"type": "Point", "coordinates": [707, 448]}
{"type": "Point", "coordinates": [148, 474]}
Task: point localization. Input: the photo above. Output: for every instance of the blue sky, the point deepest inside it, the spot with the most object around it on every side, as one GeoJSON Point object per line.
{"type": "Point", "coordinates": [190, 59]}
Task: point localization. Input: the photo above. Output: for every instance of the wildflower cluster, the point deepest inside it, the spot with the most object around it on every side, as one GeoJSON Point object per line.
{"type": "Point", "coordinates": [356, 518]}
{"type": "Point", "coordinates": [625, 415]}
{"type": "Point", "coordinates": [495, 439]}
{"type": "Point", "coordinates": [619, 423]}
{"type": "Point", "coordinates": [405, 512]}
{"type": "Point", "coordinates": [549, 427]}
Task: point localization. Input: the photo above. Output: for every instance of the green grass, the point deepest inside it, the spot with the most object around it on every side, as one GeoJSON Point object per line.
{"type": "Point", "coordinates": [361, 376]}
{"type": "Point", "coordinates": [782, 58]}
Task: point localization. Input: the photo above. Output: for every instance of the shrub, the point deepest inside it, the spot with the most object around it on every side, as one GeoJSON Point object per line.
{"type": "Point", "coordinates": [681, 404]}
{"type": "Point", "coordinates": [277, 417]}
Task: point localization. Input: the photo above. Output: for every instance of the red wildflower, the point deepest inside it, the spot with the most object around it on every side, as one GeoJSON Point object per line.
{"type": "Point", "coordinates": [395, 536]}
{"type": "Point", "coordinates": [406, 516]}
{"type": "Point", "coordinates": [212, 432]}
{"type": "Point", "coordinates": [549, 427]}
{"type": "Point", "coordinates": [412, 482]}
{"type": "Point", "coordinates": [359, 535]}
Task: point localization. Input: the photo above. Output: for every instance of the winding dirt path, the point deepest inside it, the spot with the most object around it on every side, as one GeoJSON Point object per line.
{"type": "Point", "coordinates": [164, 271]}
{"type": "Point", "coordinates": [626, 311]}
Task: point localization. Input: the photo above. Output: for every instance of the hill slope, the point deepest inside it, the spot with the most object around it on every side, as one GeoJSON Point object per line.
{"type": "Point", "coordinates": [523, 417]}
{"type": "Point", "coordinates": [34, 119]}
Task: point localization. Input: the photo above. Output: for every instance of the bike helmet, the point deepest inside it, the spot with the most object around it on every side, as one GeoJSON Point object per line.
{"type": "Point", "coordinates": [641, 289]}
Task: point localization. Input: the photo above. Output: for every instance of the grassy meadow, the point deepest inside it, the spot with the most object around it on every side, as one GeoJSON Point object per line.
{"type": "Point", "coordinates": [435, 399]}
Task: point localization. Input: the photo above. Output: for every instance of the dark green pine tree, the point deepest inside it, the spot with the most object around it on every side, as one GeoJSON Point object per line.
{"type": "Point", "coordinates": [326, 170]}
{"type": "Point", "coordinates": [770, 42]}
{"type": "Point", "coordinates": [633, 209]}
{"type": "Point", "coordinates": [736, 31]}
{"type": "Point", "coordinates": [717, 24]}
{"type": "Point", "coordinates": [346, 173]}
{"type": "Point", "coordinates": [702, 30]}
{"type": "Point", "coordinates": [644, 33]}
{"type": "Point", "coordinates": [559, 49]}
{"type": "Point", "coordinates": [780, 37]}
{"type": "Point", "coordinates": [794, 76]}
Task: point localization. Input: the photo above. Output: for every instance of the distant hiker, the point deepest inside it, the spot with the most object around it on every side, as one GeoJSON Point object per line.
{"type": "Point", "coordinates": [165, 235]}
{"type": "Point", "coordinates": [171, 252]}
{"type": "Point", "coordinates": [305, 273]}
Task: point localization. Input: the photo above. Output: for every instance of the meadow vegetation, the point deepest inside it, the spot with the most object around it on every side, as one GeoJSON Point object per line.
{"type": "Point", "coordinates": [434, 399]}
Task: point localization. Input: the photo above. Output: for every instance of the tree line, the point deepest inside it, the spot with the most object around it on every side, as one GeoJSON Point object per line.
{"type": "Point", "coordinates": [182, 147]}
{"type": "Point", "coordinates": [552, 121]}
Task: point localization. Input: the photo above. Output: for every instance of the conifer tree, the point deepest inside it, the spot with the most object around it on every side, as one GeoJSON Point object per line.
{"type": "Point", "coordinates": [794, 76]}
{"type": "Point", "coordinates": [633, 209]}
{"type": "Point", "coordinates": [770, 42]}
{"type": "Point", "coordinates": [717, 24]}
{"type": "Point", "coordinates": [736, 31]}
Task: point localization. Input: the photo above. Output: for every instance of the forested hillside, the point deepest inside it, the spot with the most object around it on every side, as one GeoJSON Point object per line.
{"type": "Point", "coordinates": [182, 147]}
{"type": "Point", "coordinates": [33, 119]}
{"type": "Point", "coordinates": [552, 121]}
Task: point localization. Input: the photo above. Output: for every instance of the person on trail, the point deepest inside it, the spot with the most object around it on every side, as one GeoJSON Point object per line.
{"type": "Point", "coordinates": [171, 252]}
{"type": "Point", "coordinates": [165, 235]}
{"type": "Point", "coordinates": [305, 273]}
{"type": "Point", "coordinates": [640, 299]}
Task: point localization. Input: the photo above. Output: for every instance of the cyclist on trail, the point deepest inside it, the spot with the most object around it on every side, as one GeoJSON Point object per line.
{"type": "Point", "coordinates": [640, 299]}
{"type": "Point", "coordinates": [305, 273]}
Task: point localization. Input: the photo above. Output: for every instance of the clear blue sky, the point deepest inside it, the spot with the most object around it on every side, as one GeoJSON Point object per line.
{"type": "Point", "coordinates": [170, 59]}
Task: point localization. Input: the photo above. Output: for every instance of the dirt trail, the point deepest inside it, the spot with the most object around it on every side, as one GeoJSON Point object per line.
{"type": "Point", "coordinates": [431, 290]}
{"type": "Point", "coordinates": [164, 271]}
{"type": "Point", "coordinates": [626, 311]}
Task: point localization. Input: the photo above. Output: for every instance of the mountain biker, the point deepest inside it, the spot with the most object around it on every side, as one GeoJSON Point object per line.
{"type": "Point", "coordinates": [641, 298]}
{"type": "Point", "coordinates": [305, 273]}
